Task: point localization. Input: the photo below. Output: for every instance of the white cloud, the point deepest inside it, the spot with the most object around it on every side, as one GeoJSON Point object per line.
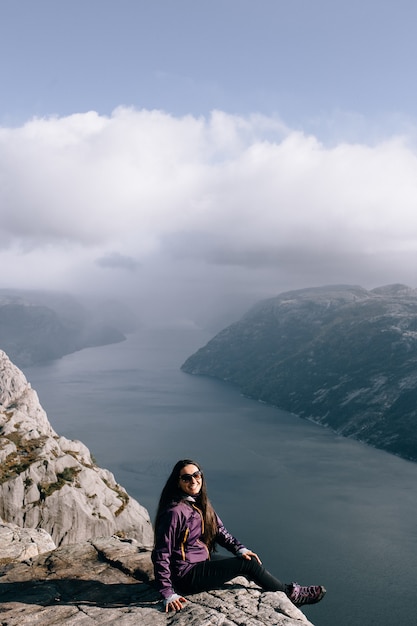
{"type": "Point", "coordinates": [165, 195]}
{"type": "Point", "coordinates": [115, 260]}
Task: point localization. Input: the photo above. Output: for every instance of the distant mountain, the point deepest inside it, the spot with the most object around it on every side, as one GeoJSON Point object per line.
{"type": "Point", "coordinates": [37, 326]}
{"type": "Point", "coordinates": [341, 356]}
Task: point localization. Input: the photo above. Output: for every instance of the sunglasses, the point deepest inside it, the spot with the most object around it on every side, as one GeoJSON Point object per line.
{"type": "Point", "coordinates": [187, 478]}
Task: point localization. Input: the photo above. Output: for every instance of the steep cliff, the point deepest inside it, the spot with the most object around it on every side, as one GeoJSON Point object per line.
{"type": "Point", "coordinates": [50, 482]}
{"type": "Point", "coordinates": [342, 356]}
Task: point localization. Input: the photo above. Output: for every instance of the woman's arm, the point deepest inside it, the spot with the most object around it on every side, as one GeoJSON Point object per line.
{"type": "Point", "coordinates": [166, 534]}
{"type": "Point", "coordinates": [228, 541]}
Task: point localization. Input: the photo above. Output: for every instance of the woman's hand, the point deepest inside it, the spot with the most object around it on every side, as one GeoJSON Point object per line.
{"type": "Point", "coordinates": [249, 554]}
{"type": "Point", "coordinates": [175, 605]}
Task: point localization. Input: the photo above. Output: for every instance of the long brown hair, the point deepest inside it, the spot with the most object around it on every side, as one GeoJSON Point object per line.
{"type": "Point", "coordinates": [173, 493]}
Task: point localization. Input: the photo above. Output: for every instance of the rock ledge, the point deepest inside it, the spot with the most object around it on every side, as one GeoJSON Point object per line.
{"type": "Point", "coordinates": [110, 581]}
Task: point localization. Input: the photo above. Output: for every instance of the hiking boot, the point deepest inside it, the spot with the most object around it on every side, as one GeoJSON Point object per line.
{"type": "Point", "coordinates": [305, 595]}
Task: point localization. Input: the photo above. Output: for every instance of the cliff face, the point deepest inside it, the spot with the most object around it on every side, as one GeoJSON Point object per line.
{"type": "Point", "coordinates": [50, 482]}
{"type": "Point", "coordinates": [342, 356]}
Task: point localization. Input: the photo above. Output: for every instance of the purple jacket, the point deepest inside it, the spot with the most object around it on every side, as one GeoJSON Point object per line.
{"type": "Point", "coordinates": [179, 544]}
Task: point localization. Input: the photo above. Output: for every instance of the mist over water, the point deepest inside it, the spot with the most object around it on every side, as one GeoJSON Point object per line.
{"type": "Point", "coordinates": [318, 508]}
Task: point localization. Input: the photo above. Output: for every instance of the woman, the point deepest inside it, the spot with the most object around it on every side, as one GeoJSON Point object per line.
{"type": "Point", "coordinates": [186, 531]}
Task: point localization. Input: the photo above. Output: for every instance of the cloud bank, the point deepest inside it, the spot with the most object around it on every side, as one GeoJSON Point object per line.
{"type": "Point", "coordinates": [194, 210]}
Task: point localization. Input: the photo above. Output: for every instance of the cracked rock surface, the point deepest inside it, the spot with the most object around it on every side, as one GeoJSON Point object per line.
{"type": "Point", "coordinates": [110, 581]}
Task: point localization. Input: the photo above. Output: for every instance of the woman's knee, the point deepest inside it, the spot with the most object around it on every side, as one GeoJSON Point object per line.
{"type": "Point", "coordinates": [251, 566]}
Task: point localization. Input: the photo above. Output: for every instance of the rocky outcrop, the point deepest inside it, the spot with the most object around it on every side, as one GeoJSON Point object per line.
{"type": "Point", "coordinates": [50, 482]}
{"type": "Point", "coordinates": [341, 356]}
{"type": "Point", "coordinates": [109, 581]}
{"type": "Point", "coordinates": [19, 544]}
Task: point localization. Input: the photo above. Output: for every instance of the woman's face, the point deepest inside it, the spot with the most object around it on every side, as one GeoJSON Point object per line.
{"type": "Point", "coordinates": [190, 480]}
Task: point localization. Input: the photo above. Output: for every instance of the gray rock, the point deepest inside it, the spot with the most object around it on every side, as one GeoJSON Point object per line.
{"type": "Point", "coordinates": [50, 482]}
{"type": "Point", "coordinates": [19, 544]}
{"type": "Point", "coordinates": [109, 581]}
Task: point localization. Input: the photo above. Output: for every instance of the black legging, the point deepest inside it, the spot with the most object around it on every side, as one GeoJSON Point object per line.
{"type": "Point", "coordinates": [212, 574]}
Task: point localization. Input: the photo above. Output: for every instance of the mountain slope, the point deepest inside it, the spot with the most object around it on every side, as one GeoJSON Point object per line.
{"type": "Point", "coordinates": [342, 356]}
{"type": "Point", "coordinates": [40, 326]}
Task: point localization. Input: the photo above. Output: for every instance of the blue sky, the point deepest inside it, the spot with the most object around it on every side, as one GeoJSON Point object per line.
{"type": "Point", "coordinates": [213, 152]}
{"type": "Point", "coordinates": [304, 60]}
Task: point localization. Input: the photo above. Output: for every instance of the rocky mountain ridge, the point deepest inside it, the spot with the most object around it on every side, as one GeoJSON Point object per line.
{"type": "Point", "coordinates": [342, 356]}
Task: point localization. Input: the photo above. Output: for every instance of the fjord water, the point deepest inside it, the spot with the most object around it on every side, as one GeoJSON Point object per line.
{"type": "Point", "coordinates": [316, 507]}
